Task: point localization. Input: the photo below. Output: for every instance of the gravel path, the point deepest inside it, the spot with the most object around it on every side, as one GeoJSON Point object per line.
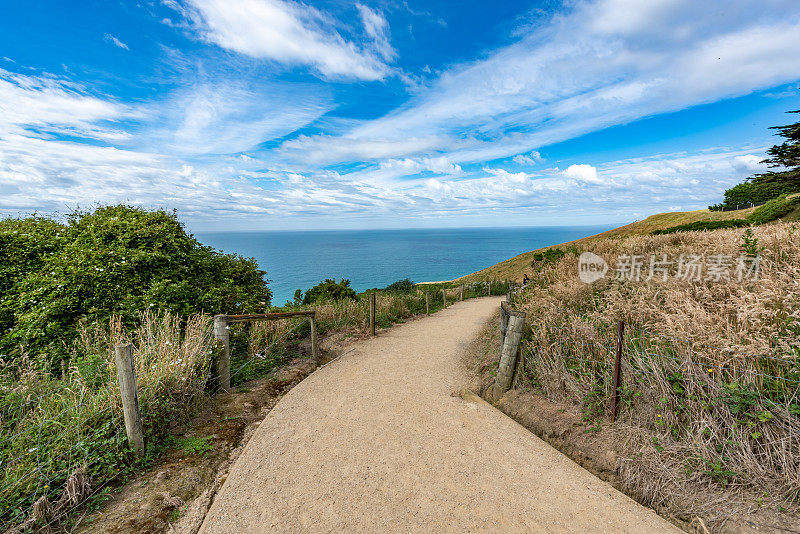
{"type": "Point", "coordinates": [376, 442]}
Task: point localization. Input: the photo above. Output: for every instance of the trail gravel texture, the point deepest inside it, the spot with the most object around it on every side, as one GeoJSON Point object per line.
{"type": "Point", "coordinates": [377, 442]}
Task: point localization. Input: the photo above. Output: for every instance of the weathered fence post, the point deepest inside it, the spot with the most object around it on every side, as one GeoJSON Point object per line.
{"type": "Point", "coordinates": [222, 365]}
{"type": "Point", "coordinates": [372, 313]}
{"type": "Point", "coordinates": [314, 344]}
{"type": "Point", "coordinates": [489, 293]}
{"type": "Point", "coordinates": [462, 292]}
{"type": "Point", "coordinates": [617, 378]}
{"type": "Point", "coordinates": [427, 302]}
{"type": "Point", "coordinates": [130, 396]}
{"type": "Point", "coordinates": [508, 355]}
{"type": "Point", "coordinates": [444, 297]}
{"type": "Point", "coordinates": [503, 322]}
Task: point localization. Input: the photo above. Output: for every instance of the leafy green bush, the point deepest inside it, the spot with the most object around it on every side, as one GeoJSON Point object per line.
{"type": "Point", "coordinates": [401, 286]}
{"type": "Point", "coordinates": [752, 192]}
{"type": "Point", "coordinates": [327, 290]}
{"type": "Point", "coordinates": [703, 225]}
{"type": "Point", "coordinates": [114, 260]}
{"type": "Point", "coordinates": [774, 209]}
{"type": "Point", "coordinates": [548, 256]}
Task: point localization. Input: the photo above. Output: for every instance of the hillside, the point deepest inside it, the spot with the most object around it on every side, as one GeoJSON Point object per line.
{"type": "Point", "coordinates": [708, 357]}
{"type": "Point", "coordinates": [514, 268]}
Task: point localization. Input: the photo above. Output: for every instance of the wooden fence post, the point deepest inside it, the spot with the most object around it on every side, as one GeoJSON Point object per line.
{"type": "Point", "coordinates": [222, 365]}
{"type": "Point", "coordinates": [503, 323]}
{"type": "Point", "coordinates": [462, 292]}
{"type": "Point", "coordinates": [427, 302]}
{"type": "Point", "coordinates": [444, 297]}
{"type": "Point", "coordinates": [508, 355]}
{"type": "Point", "coordinates": [372, 313]}
{"type": "Point", "coordinates": [617, 378]}
{"type": "Point", "coordinates": [489, 293]}
{"type": "Point", "coordinates": [130, 396]}
{"type": "Point", "coordinates": [314, 344]}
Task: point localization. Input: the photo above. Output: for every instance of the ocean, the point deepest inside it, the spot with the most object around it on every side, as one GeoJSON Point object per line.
{"type": "Point", "coordinates": [376, 258]}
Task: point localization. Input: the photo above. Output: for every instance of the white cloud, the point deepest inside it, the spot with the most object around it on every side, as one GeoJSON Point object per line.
{"type": "Point", "coordinates": [583, 173]}
{"type": "Point", "coordinates": [505, 176]}
{"type": "Point", "coordinates": [748, 163]}
{"type": "Point", "coordinates": [377, 27]}
{"type": "Point", "coordinates": [116, 42]}
{"type": "Point", "coordinates": [604, 63]}
{"type": "Point", "coordinates": [227, 117]}
{"type": "Point", "coordinates": [47, 105]}
{"type": "Point", "coordinates": [326, 149]}
{"type": "Point", "coordinates": [409, 166]}
{"type": "Point", "coordinates": [528, 159]}
{"type": "Point", "coordinates": [292, 33]}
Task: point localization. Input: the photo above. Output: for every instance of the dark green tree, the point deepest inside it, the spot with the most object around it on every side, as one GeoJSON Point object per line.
{"type": "Point", "coordinates": [784, 158]}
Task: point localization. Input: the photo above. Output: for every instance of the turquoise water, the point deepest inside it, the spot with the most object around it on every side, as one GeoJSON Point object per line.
{"type": "Point", "coordinates": [376, 258]}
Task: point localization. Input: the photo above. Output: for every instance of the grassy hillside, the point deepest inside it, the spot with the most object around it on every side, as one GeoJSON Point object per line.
{"type": "Point", "coordinates": [514, 268]}
{"type": "Point", "coordinates": [711, 372]}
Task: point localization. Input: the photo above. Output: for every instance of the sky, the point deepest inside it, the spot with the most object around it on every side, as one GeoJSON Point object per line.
{"type": "Point", "coordinates": [277, 114]}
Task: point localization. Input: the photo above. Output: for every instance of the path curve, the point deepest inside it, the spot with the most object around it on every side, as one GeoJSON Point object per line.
{"type": "Point", "coordinates": [376, 442]}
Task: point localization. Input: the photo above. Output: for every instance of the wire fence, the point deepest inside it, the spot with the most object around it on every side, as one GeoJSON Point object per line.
{"type": "Point", "coordinates": [579, 359]}
{"type": "Point", "coordinates": [45, 445]}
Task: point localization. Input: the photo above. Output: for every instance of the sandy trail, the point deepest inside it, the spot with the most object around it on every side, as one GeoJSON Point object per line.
{"type": "Point", "coordinates": [375, 442]}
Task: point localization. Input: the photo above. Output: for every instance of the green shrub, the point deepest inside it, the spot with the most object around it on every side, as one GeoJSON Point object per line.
{"type": "Point", "coordinates": [703, 225]}
{"type": "Point", "coordinates": [401, 286]}
{"type": "Point", "coordinates": [327, 290]}
{"type": "Point", "coordinates": [774, 209]}
{"type": "Point", "coordinates": [114, 260]}
{"type": "Point", "coordinates": [549, 256]}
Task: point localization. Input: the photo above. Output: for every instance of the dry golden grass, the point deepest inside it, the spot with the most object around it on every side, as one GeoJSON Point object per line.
{"type": "Point", "coordinates": [711, 367]}
{"type": "Point", "coordinates": [514, 268]}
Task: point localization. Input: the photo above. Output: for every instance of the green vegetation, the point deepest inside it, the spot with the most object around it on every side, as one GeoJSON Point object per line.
{"type": "Point", "coordinates": [326, 291]}
{"type": "Point", "coordinates": [195, 445]}
{"type": "Point", "coordinates": [703, 225]}
{"type": "Point", "coordinates": [548, 256]}
{"type": "Point", "coordinates": [401, 286]}
{"type": "Point", "coordinates": [115, 260]}
{"type": "Point", "coordinates": [768, 212]}
{"type": "Point", "coordinates": [743, 195]}
{"type": "Point", "coordinates": [772, 184]}
{"type": "Point", "coordinates": [774, 209]}
{"type": "Point", "coordinates": [57, 427]}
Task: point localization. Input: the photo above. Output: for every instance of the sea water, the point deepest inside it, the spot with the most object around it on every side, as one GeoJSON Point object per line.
{"type": "Point", "coordinates": [376, 258]}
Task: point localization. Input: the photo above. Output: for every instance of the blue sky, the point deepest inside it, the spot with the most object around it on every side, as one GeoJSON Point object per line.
{"type": "Point", "coordinates": [274, 114]}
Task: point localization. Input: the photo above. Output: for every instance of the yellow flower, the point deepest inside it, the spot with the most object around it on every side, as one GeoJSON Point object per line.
{"type": "Point", "coordinates": [659, 415]}
{"type": "Point", "coordinates": [710, 370]}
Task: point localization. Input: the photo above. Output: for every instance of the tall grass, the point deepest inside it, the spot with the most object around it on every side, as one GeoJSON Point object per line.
{"type": "Point", "coordinates": [53, 427]}
{"type": "Point", "coordinates": [711, 388]}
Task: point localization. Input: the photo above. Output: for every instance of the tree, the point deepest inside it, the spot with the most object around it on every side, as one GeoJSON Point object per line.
{"type": "Point", "coordinates": [785, 158]}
